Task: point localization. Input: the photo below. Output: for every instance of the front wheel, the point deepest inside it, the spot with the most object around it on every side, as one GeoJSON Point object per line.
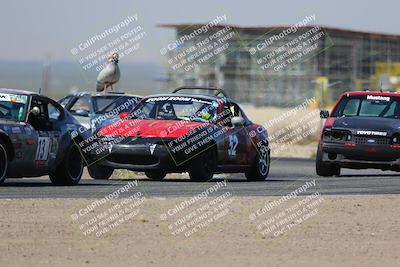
{"type": "Point", "coordinates": [155, 175]}
{"type": "Point", "coordinates": [3, 162]}
{"type": "Point", "coordinates": [202, 167]}
{"type": "Point", "coordinates": [70, 170]}
{"type": "Point", "coordinates": [100, 172]}
{"type": "Point", "coordinates": [325, 169]}
{"type": "Point", "coordinates": [260, 169]}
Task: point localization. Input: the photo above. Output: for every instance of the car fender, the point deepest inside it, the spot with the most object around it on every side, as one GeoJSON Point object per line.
{"type": "Point", "coordinates": [9, 146]}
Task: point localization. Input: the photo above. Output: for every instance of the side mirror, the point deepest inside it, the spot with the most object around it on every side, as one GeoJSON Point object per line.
{"type": "Point", "coordinates": [324, 114]}
{"type": "Point", "coordinates": [35, 111]}
{"type": "Point", "coordinates": [123, 115]}
{"type": "Point", "coordinates": [237, 121]}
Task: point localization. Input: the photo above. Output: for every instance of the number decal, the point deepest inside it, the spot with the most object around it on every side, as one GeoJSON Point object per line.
{"type": "Point", "coordinates": [42, 152]}
{"type": "Point", "coordinates": [233, 142]}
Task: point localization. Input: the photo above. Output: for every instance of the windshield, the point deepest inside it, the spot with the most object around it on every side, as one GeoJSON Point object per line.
{"type": "Point", "coordinates": [13, 106]}
{"type": "Point", "coordinates": [176, 108]}
{"type": "Point", "coordinates": [103, 104]}
{"type": "Point", "coordinates": [368, 106]}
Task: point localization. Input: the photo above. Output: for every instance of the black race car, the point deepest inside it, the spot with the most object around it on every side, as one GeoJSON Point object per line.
{"type": "Point", "coordinates": [35, 139]}
{"type": "Point", "coordinates": [363, 131]}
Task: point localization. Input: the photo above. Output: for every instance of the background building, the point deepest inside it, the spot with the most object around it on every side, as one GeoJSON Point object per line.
{"type": "Point", "coordinates": [344, 60]}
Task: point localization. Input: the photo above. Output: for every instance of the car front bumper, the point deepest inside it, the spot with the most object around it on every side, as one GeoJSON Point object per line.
{"type": "Point", "coordinates": [362, 156]}
{"type": "Point", "coordinates": [142, 155]}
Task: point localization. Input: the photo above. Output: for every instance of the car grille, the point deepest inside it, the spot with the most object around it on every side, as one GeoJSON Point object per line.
{"type": "Point", "coordinates": [371, 140]}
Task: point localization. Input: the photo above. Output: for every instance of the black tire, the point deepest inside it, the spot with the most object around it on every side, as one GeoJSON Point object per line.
{"type": "Point", "coordinates": [325, 169]}
{"type": "Point", "coordinates": [3, 162]}
{"type": "Point", "coordinates": [155, 175]}
{"type": "Point", "coordinates": [100, 172]}
{"type": "Point", "coordinates": [202, 167]}
{"type": "Point", "coordinates": [70, 170]}
{"type": "Point", "coordinates": [260, 169]}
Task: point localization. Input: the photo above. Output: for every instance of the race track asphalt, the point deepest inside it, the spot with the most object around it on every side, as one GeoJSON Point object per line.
{"type": "Point", "coordinates": [285, 176]}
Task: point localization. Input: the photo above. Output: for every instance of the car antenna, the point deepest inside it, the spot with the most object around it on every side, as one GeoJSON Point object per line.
{"type": "Point", "coordinates": [40, 90]}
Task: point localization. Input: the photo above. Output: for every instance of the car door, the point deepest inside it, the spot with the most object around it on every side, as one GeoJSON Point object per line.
{"type": "Point", "coordinates": [236, 139]}
{"type": "Point", "coordinates": [56, 116]}
{"type": "Point", "coordinates": [24, 138]}
{"type": "Point", "coordinates": [45, 132]}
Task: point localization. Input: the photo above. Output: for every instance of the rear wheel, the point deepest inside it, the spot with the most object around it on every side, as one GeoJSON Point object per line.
{"type": "Point", "coordinates": [3, 162]}
{"type": "Point", "coordinates": [260, 169]}
{"type": "Point", "coordinates": [325, 169]}
{"type": "Point", "coordinates": [155, 175]}
{"type": "Point", "coordinates": [202, 167]}
{"type": "Point", "coordinates": [70, 170]}
{"type": "Point", "coordinates": [100, 172]}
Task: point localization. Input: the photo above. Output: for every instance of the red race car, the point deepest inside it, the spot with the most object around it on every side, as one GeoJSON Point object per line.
{"type": "Point", "coordinates": [195, 133]}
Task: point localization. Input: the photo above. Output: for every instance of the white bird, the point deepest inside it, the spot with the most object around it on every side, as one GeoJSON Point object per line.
{"type": "Point", "coordinates": [109, 75]}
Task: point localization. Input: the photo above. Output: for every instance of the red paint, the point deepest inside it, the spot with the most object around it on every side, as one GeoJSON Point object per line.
{"type": "Point", "coordinates": [350, 145]}
{"type": "Point", "coordinates": [123, 115]}
{"type": "Point", "coordinates": [328, 123]}
{"type": "Point", "coordinates": [150, 128]}
{"type": "Point", "coordinates": [30, 141]}
{"type": "Point", "coordinates": [377, 93]}
{"type": "Point", "coordinates": [370, 150]}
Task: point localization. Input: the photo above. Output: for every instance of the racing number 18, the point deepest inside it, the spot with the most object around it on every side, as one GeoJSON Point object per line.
{"type": "Point", "coordinates": [42, 152]}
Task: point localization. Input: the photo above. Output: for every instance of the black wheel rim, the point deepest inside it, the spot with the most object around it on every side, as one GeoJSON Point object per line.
{"type": "Point", "coordinates": [263, 160]}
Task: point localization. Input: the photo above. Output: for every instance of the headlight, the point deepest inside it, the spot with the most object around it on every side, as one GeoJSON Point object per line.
{"type": "Point", "coordinates": [327, 134]}
{"type": "Point", "coordinates": [337, 136]}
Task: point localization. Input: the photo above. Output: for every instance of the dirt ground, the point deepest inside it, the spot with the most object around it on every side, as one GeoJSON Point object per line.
{"type": "Point", "coordinates": [345, 231]}
{"type": "Point", "coordinates": [308, 122]}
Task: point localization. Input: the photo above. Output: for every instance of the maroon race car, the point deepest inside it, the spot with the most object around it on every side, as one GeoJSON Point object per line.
{"type": "Point", "coordinates": [195, 133]}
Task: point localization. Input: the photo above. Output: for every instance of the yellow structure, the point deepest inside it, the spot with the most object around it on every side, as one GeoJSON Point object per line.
{"type": "Point", "coordinates": [389, 73]}
{"type": "Point", "coordinates": [321, 92]}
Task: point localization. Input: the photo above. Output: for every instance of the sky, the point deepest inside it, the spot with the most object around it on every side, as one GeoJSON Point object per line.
{"type": "Point", "coordinates": [36, 30]}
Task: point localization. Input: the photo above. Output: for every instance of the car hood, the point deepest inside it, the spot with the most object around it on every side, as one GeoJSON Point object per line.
{"type": "Point", "coordinates": [150, 128]}
{"type": "Point", "coordinates": [368, 125]}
